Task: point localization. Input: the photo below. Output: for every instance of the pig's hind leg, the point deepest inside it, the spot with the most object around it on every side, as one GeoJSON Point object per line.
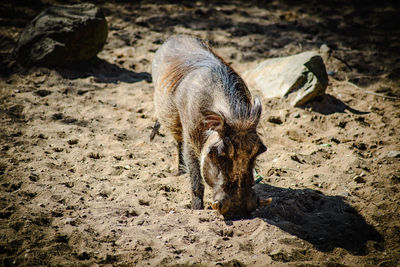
{"type": "Point", "coordinates": [193, 167]}
{"type": "Point", "coordinates": [155, 130]}
{"type": "Point", "coordinates": [175, 127]}
{"type": "Point", "coordinates": [181, 160]}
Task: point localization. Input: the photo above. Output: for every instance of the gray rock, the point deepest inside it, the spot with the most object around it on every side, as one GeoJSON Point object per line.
{"type": "Point", "coordinates": [62, 35]}
{"type": "Point", "coordinates": [301, 77]}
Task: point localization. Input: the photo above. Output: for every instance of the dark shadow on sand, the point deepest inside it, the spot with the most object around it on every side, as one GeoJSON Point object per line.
{"type": "Point", "coordinates": [356, 25]}
{"type": "Point", "coordinates": [328, 104]}
{"type": "Point", "coordinates": [326, 222]}
{"type": "Point", "coordinates": [103, 71]}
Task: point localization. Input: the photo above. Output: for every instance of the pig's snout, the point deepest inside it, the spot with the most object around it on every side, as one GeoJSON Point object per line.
{"type": "Point", "coordinates": [229, 206]}
{"type": "Point", "coordinates": [264, 201]}
{"type": "Point", "coordinates": [216, 205]}
{"type": "Point", "coordinates": [224, 206]}
{"type": "Point", "coordinates": [221, 205]}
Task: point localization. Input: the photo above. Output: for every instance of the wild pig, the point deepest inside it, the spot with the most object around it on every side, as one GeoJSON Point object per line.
{"type": "Point", "coordinates": [212, 116]}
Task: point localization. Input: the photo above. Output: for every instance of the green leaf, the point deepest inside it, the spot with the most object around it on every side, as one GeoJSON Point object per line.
{"type": "Point", "coordinates": [326, 145]}
{"type": "Point", "coordinates": [257, 176]}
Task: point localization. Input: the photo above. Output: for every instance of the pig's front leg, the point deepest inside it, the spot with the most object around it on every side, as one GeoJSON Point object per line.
{"type": "Point", "coordinates": [193, 168]}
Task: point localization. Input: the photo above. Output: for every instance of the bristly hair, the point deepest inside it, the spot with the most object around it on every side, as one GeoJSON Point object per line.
{"type": "Point", "coordinates": [234, 87]}
{"type": "Point", "coordinates": [179, 66]}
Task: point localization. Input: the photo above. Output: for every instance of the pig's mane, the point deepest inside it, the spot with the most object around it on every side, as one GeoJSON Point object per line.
{"type": "Point", "coordinates": [194, 54]}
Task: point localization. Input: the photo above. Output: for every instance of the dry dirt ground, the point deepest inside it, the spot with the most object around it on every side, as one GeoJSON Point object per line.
{"type": "Point", "coordinates": [80, 183]}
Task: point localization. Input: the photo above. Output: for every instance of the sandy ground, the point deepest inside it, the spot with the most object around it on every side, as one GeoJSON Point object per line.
{"type": "Point", "coordinates": [81, 184]}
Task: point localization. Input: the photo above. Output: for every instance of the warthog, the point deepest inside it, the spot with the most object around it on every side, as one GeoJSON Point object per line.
{"type": "Point", "coordinates": [212, 116]}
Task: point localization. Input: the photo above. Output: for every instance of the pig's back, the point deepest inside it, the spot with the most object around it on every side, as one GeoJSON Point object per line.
{"type": "Point", "coordinates": [189, 77]}
{"type": "Point", "coordinates": [177, 57]}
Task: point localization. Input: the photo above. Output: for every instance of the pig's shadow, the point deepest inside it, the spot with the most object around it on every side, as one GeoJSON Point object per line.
{"type": "Point", "coordinates": [103, 71]}
{"type": "Point", "coordinates": [324, 221]}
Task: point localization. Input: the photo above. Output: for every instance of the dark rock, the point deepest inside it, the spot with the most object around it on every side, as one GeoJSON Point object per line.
{"type": "Point", "coordinates": [359, 179]}
{"type": "Point", "coordinates": [62, 35]}
{"type": "Point", "coordinates": [43, 92]}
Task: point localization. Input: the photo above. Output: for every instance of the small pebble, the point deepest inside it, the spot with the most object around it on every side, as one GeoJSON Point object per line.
{"type": "Point", "coordinates": [330, 73]}
{"type": "Point", "coordinates": [324, 48]}
{"type": "Point", "coordinates": [394, 154]}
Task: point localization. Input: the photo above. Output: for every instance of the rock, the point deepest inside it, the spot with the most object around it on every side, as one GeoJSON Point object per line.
{"type": "Point", "coordinates": [302, 76]}
{"type": "Point", "coordinates": [62, 35]}
{"type": "Point", "coordinates": [394, 154]}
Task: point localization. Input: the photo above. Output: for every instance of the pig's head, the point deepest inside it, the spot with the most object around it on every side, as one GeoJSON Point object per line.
{"type": "Point", "coordinates": [227, 160]}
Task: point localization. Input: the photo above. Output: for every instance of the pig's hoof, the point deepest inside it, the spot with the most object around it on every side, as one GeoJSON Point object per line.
{"type": "Point", "coordinates": [197, 204]}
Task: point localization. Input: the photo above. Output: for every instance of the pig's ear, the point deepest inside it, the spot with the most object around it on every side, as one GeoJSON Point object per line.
{"type": "Point", "coordinates": [256, 110]}
{"type": "Point", "coordinates": [213, 121]}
